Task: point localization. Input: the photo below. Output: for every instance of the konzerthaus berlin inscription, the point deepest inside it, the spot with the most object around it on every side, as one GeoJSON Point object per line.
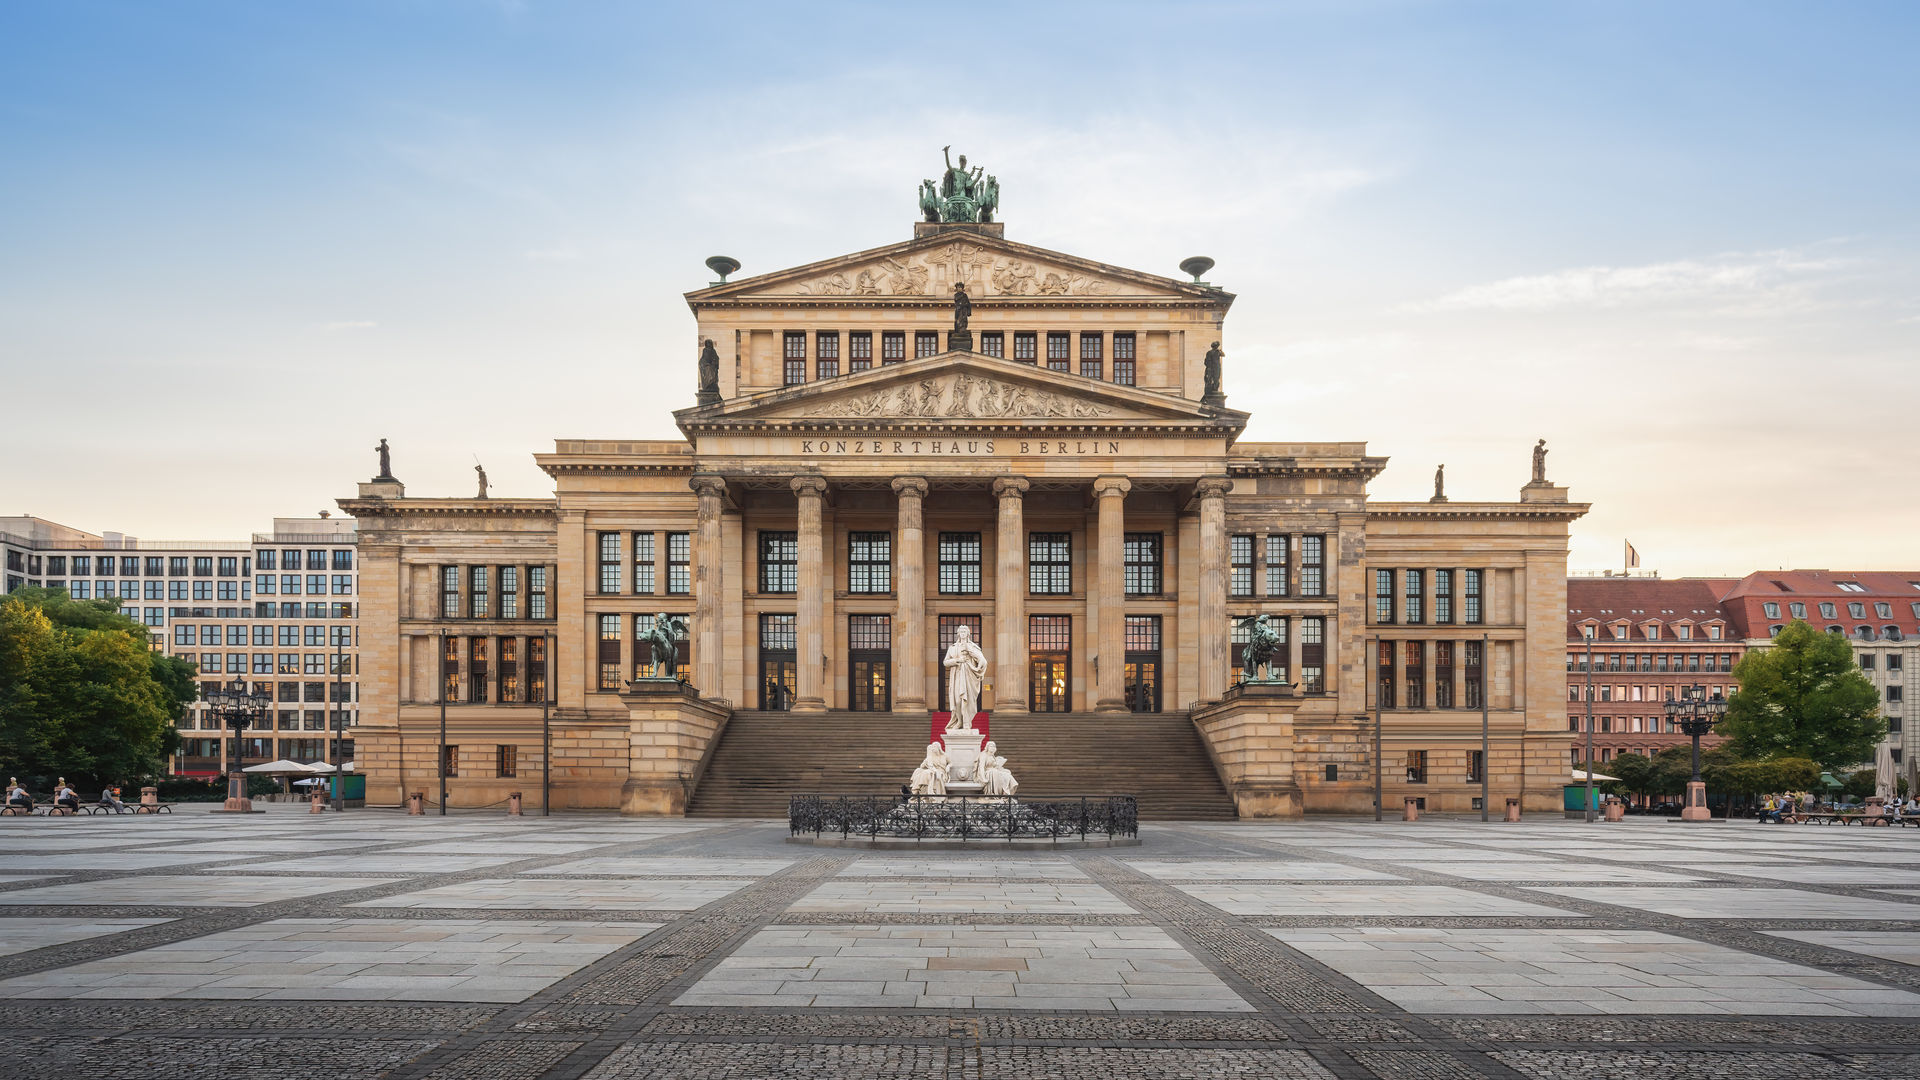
{"type": "Point", "coordinates": [962, 430]}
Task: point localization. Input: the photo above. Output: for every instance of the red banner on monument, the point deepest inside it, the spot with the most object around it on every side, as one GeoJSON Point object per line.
{"type": "Point", "coordinates": [940, 720]}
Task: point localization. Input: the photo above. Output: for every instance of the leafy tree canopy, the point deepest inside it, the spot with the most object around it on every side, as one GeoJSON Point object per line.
{"type": "Point", "coordinates": [1804, 698]}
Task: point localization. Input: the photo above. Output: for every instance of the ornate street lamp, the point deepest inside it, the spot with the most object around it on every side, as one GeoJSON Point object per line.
{"type": "Point", "coordinates": [237, 707]}
{"type": "Point", "coordinates": [1696, 713]}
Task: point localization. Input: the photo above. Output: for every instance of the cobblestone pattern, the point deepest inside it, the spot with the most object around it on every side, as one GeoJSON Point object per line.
{"type": "Point", "coordinates": [513, 1058]}
{"type": "Point", "coordinates": [66, 1057]}
{"type": "Point", "coordinates": [1695, 1065]}
{"type": "Point", "coordinates": [955, 918]}
{"type": "Point", "coordinates": [319, 1018]}
{"type": "Point", "coordinates": [735, 1061]}
{"type": "Point", "coordinates": [1417, 1065]}
{"type": "Point", "coordinates": [1853, 1034]}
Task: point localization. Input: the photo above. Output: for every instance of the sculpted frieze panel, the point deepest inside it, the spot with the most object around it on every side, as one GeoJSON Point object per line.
{"type": "Point", "coordinates": [962, 395]}
{"type": "Point", "coordinates": [934, 273]}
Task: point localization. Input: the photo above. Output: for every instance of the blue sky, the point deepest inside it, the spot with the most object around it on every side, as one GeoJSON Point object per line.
{"type": "Point", "coordinates": [1677, 240]}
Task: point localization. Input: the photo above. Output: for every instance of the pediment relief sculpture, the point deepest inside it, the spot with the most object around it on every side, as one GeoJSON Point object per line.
{"type": "Point", "coordinates": [961, 395]}
{"type": "Point", "coordinates": [983, 271]}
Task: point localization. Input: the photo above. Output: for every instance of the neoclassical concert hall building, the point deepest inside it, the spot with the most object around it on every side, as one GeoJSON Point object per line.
{"type": "Point", "coordinates": [868, 463]}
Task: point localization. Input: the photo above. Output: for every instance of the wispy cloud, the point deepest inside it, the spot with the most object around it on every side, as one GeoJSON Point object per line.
{"type": "Point", "coordinates": [1769, 279]}
{"type": "Point", "coordinates": [355, 324]}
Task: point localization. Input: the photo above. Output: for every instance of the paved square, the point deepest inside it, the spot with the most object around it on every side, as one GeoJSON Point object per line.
{"type": "Point", "coordinates": [1257, 870]}
{"type": "Point", "coordinates": [1069, 967]}
{"type": "Point", "coordinates": [1742, 903]}
{"type": "Point", "coordinates": [531, 892]}
{"type": "Point", "coordinates": [988, 897]}
{"type": "Point", "coordinates": [1290, 899]}
{"type": "Point", "coordinates": [19, 934]}
{"type": "Point", "coordinates": [208, 891]}
{"type": "Point", "coordinates": [1536, 870]}
{"type": "Point", "coordinates": [1900, 946]}
{"type": "Point", "coordinates": [972, 867]}
{"type": "Point", "coordinates": [666, 866]}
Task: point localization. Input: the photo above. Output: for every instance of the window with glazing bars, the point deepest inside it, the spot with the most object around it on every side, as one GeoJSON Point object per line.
{"type": "Point", "coordinates": [1471, 584]}
{"type": "Point", "coordinates": [893, 346]}
{"type": "Point", "coordinates": [643, 562]}
{"type": "Point", "coordinates": [1092, 346]}
{"type": "Point", "coordinates": [1059, 344]}
{"type": "Point", "coordinates": [679, 563]}
{"type": "Point", "coordinates": [478, 649]}
{"type": "Point", "coordinates": [779, 562]}
{"type": "Point", "coordinates": [1142, 563]}
{"type": "Point", "coordinates": [449, 668]}
{"type": "Point", "coordinates": [870, 562]}
{"type": "Point", "coordinates": [477, 593]}
{"type": "Point", "coordinates": [1474, 679]}
{"type": "Point", "coordinates": [537, 669]}
{"type": "Point", "coordinates": [1123, 358]}
{"type": "Point", "coordinates": [1443, 674]}
{"type": "Point", "coordinates": [859, 350]}
{"type": "Point", "coordinates": [1276, 564]}
{"type": "Point", "coordinates": [1415, 582]}
{"type": "Point", "coordinates": [960, 563]}
{"type": "Point", "coordinates": [795, 358]}
{"type": "Point", "coordinates": [536, 592]}
{"type": "Point", "coordinates": [609, 656]}
{"type": "Point", "coordinates": [926, 342]}
{"type": "Point", "coordinates": [1240, 564]}
{"type": "Point", "coordinates": [1383, 596]}
{"type": "Point", "coordinates": [1025, 345]}
{"type": "Point", "coordinates": [1443, 597]}
{"type": "Point", "coordinates": [1313, 566]}
{"type": "Point", "coordinates": [869, 633]}
{"type": "Point", "coordinates": [1416, 678]}
{"type": "Point", "coordinates": [449, 592]}
{"type": "Point", "coordinates": [1313, 654]}
{"type": "Point", "coordinates": [826, 353]}
{"type": "Point", "coordinates": [1050, 563]}
{"type": "Point", "coordinates": [993, 343]}
{"type": "Point", "coordinates": [1383, 687]}
{"type": "Point", "coordinates": [609, 562]}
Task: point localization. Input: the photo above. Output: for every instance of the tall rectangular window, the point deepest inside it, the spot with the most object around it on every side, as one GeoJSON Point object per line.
{"type": "Point", "coordinates": [1416, 679]}
{"type": "Point", "coordinates": [1416, 581]}
{"type": "Point", "coordinates": [1475, 675]}
{"type": "Point", "coordinates": [993, 343]}
{"type": "Point", "coordinates": [1383, 687]}
{"type": "Point", "coordinates": [449, 761]}
{"type": "Point", "coordinates": [1059, 346]}
{"type": "Point", "coordinates": [506, 760]}
{"type": "Point", "coordinates": [609, 654]}
{"type": "Point", "coordinates": [870, 562]}
{"type": "Point", "coordinates": [869, 663]}
{"type": "Point", "coordinates": [536, 665]}
{"type": "Point", "coordinates": [449, 669]}
{"type": "Point", "coordinates": [479, 598]}
{"type": "Point", "coordinates": [202, 567]}
{"type": "Point", "coordinates": [1025, 345]}
{"type": "Point", "coordinates": [1476, 765]}
{"type": "Point", "coordinates": [1313, 566]}
{"type": "Point", "coordinates": [1416, 766]}
{"type": "Point", "coordinates": [1092, 360]}
{"type": "Point", "coordinates": [1049, 658]}
{"type": "Point", "coordinates": [826, 348]}
{"type": "Point", "coordinates": [1050, 563]}
{"type": "Point", "coordinates": [679, 563]}
{"type": "Point", "coordinates": [1471, 583]}
{"type": "Point", "coordinates": [794, 358]}
{"type": "Point", "coordinates": [609, 563]}
{"type": "Point", "coordinates": [1443, 597]}
{"type": "Point", "coordinates": [925, 343]}
{"type": "Point", "coordinates": [960, 563]}
{"type": "Point", "coordinates": [1123, 358]}
{"type": "Point", "coordinates": [449, 592]}
{"type": "Point", "coordinates": [643, 562]}
{"type": "Point", "coordinates": [1142, 559]}
{"type": "Point", "coordinates": [859, 350]}
{"type": "Point", "coordinates": [1240, 564]}
{"type": "Point", "coordinates": [1443, 674]}
{"type": "Point", "coordinates": [536, 592]}
{"type": "Point", "coordinates": [1277, 564]}
{"type": "Point", "coordinates": [509, 592]}
{"type": "Point", "coordinates": [1383, 596]}
{"type": "Point", "coordinates": [477, 671]}
{"type": "Point", "coordinates": [779, 562]}
{"type": "Point", "coordinates": [893, 346]}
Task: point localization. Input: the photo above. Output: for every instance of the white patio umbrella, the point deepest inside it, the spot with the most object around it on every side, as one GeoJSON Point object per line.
{"type": "Point", "coordinates": [282, 767]}
{"type": "Point", "coordinates": [308, 782]}
{"type": "Point", "coordinates": [1883, 770]}
{"type": "Point", "coordinates": [319, 768]}
{"type": "Point", "coordinates": [1580, 776]}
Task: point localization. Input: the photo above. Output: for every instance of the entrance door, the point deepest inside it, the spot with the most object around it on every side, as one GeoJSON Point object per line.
{"type": "Point", "coordinates": [1049, 659]}
{"type": "Point", "coordinates": [947, 625]}
{"type": "Point", "coordinates": [1143, 663]}
{"type": "Point", "coordinates": [870, 663]}
{"type": "Point", "coordinates": [778, 677]}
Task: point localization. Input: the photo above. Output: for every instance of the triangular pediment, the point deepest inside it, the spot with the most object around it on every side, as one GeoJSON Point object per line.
{"type": "Point", "coordinates": [964, 389]}
{"type": "Point", "coordinates": [991, 267]}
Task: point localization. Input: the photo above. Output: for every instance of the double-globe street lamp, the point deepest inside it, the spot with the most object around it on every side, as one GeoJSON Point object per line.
{"type": "Point", "coordinates": [238, 707]}
{"type": "Point", "coordinates": [1696, 713]}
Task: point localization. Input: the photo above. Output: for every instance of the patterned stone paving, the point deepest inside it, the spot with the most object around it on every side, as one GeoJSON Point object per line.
{"type": "Point", "coordinates": [376, 945]}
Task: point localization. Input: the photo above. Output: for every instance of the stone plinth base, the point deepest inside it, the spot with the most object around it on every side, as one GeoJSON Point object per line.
{"type": "Point", "coordinates": [671, 731]}
{"type": "Point", "coordinates": [1696, 807]}
{"type": "Point", "coordinates": [1249, 735]}
{"type": "Point", "coordinates": [888, 843]}
{"type": "Point", "coordinates": [1541, 491]}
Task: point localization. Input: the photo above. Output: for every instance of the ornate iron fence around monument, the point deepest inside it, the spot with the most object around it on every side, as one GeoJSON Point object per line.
{"type": "Point", "coordinates": [984, 818]}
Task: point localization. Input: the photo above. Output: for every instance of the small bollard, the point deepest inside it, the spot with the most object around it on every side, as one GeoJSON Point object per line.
{"type": "Point", "coordinates": [1513, 809]}
{"type": "Point", "coordinates": [1616, 810]}
{"type": "Point", "coordinates": [149, 796]}
{"type": "Point", "coordinates": [317, 803]}
{"type": "Point", "coordinates": [513, 804]}
{"type": "Point", "coordinates": [417, 804]}
{"type": "Point", "coordinates": [1412, 812]}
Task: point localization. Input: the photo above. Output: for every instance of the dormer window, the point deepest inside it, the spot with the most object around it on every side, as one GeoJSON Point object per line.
{"type": "Point", "coordinates": [1799, 610]}
{"type": "Point", "coordinates": [1683, 633]}
{"type": "Point", "coordinates": [1849, 586]}
{"type": "Point", "coordinates": [1826, 609]}
{"type": "Point", "coordinates": [1883, 609]}
{"type": "Point", "coordinates": [1651, 631]}
{"type": "Point", "coordinates": [1772, 609]}
{"type": "Point", "coordinates": [1620, 632]}
{"type": "Point", "coordinates": [1713, 633]}
{"type": "Point", "coordinates": [1857, 610]}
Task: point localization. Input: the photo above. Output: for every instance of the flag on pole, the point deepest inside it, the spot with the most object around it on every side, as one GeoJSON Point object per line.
{"type": "Point", "coordinates": [1633, 557]}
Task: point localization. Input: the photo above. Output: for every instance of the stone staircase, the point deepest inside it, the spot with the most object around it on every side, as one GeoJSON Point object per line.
{"type": "Point", "coordinates": [765, 757]}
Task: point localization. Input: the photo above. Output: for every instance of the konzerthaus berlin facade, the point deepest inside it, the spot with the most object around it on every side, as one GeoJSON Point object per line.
{"type": "Point", "coordinates": [868, 477]}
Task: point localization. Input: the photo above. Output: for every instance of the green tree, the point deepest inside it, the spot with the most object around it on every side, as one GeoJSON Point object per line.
{"type": "Point", "coordinates": [1804, 697]}
{"type": "Point", "coordinates": [1636, 773]}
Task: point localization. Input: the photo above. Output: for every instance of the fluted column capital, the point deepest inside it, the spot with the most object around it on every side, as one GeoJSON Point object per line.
{"type": "Point", "coordinates": [809, 486]}
{"type": "Point", "coordinates": [1011, 487]}
{"type": "Point", "coordinates": [1212, 487]}
{"type": "Point", "coordinates": [1111, 486]}
{"type": "Point", "coordinates": [708, 485]}
{"type": "Point", "coordinates": [910, 487]}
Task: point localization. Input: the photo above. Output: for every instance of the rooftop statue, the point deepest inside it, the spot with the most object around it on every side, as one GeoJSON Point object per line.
{"type": "Point", "coordinates": [1540, 462]}
{"type": "Point", "coordinates": [386, 462]}
{"type": "Point", "coordinates": [483, 480]}
{"type": "Point", "coordinates": [962, 195]}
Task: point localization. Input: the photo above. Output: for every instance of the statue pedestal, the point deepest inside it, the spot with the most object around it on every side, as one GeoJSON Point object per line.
{"type": "Point", "coordinates": [1696, 803]}
{"type": "Point", "coordinates": [942, 719]}
{"type": "Point", "coordinates": [963, 750]}
{"type": "Point", "coordinates": [1249, 735]}
{"type": "Point", "coordinates": [959, 341]}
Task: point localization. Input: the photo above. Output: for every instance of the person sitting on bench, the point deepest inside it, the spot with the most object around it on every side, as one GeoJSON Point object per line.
{"type": "Point", "coordinates": [17, 796]}
{"type": "Point", "coordinates": [111, 800]}
{"type": "Point", "coordinates": [66, 796]}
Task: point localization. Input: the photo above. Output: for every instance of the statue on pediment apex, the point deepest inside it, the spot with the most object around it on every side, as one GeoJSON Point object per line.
{"type": "Point", "coordinates": [963, 194]}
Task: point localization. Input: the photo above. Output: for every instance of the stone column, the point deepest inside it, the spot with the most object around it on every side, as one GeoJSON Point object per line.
{"type": "Point", "coordinates": [1211, 491]}
{"type": "Point", "coordinates": [1110, 635]}
{"type": "Point", "coordinates": [1010, 598]}
{"type": "Point", "coordinates": [810, 602]}
{"type": "Point", "coordinates": [910, 598]}
{"type": "Point", "coordinates": [709, 639]}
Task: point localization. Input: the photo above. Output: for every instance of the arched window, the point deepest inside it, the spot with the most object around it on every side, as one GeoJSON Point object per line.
{"type": "Point", "coordinates": [1864, 633]}
{"type": "Point", "coordinates": [1836, 629]}
{"type": "Point", "coordinates": [1773, 631]}
{"type": "Point", "coordinates": [1891, 633]}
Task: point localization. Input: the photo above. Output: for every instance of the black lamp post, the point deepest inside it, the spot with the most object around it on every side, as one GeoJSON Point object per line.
{"type": "Point", "coordinates": [1696, 713]}
{"type": "Point", "coordinates": [237, 707]}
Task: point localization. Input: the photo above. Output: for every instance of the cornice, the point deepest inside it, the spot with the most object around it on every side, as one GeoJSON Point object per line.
{"type": "Point", "coordinates": [450, 507]}
{"type": "Point", "coordinates": [1471, 511]}
{"type": "Point", "coordinates": [1345, 469]}
{"type": "Point", "coordinates": [1178, 429]}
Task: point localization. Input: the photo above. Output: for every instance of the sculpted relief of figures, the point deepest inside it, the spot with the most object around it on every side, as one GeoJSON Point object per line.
{"type": "Point", "coordinates": [964, 395]}
{"type": "Point", "coordinates": [967, 264]}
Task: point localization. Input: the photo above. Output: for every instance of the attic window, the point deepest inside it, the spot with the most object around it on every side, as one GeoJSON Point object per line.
{"type": "Point", "coordinates": [1849, 586]}
{"type": "Point", "coordinates": [1781, 585]}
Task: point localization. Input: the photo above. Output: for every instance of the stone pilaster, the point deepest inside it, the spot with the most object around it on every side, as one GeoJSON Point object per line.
{"type": "Point", "coordinates": [1110, 635]}
{"type": "Point", "coordinates": [810, 610]}
{"type": "Point", "coordinates": [1010, 597]}
{"type": "Point", "coordinates": [910, 592]}
{"type": "Point", "coordinates": [709, 578]}
{"type": "Point", "coordinates": [1211, 491]}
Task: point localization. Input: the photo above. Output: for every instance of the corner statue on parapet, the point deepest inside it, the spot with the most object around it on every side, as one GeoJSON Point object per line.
{"type": "Point", "coordinates": [386, 461]}
{"type": "Point", "coordinates": [1540, 462]}
{"type": "Point", "coordinates": [1211, 394]}
{"type": "Point", "coordinates": [709, 374]}
{"type": "Point", "coordinates": [1262, 644]}
{"type": "Point", "coordinates": [966, 672]}
{"type": "Point", "coordinates": [483, 481]}
{"type": "Point", "coordinates": [1439, 484]}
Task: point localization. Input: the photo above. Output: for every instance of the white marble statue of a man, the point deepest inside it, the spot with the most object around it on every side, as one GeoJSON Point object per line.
{"type": "Point", "coordinates": [966, 671]}
{"type": "Point", "coordinates": [994, 777]}
{"type": "Point", "coordinates": [931, 777]}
